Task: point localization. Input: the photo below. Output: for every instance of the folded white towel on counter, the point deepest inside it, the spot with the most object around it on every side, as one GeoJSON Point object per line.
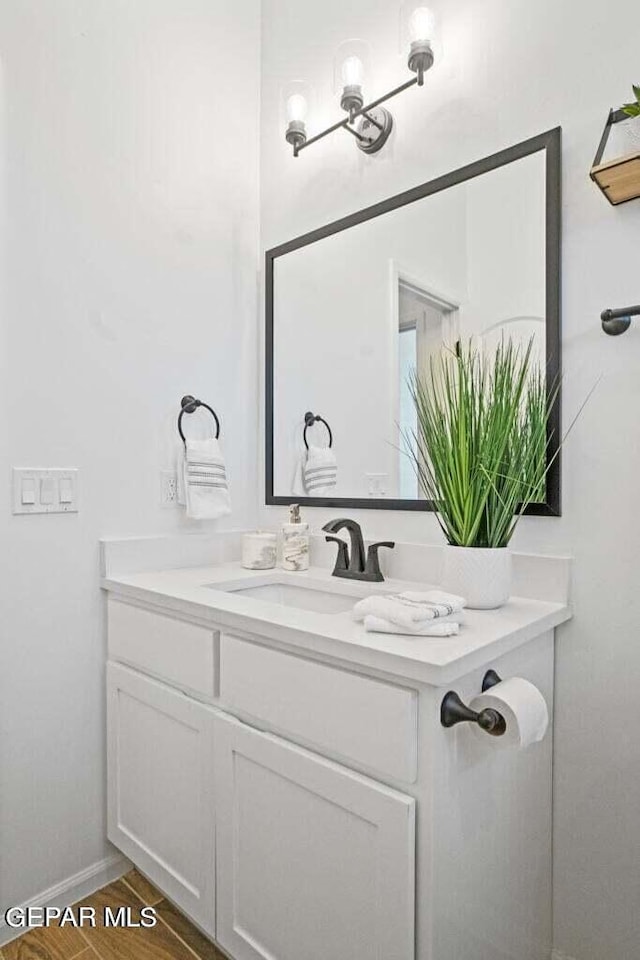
{"type": "Point", "coordinates": [204, 476]}
{"type": "Point", "coordinates": [427, 628]}
{"type": "Point", "coordinates": [411, 609]}
{"type": "Point", "coordinates": [316, 473]}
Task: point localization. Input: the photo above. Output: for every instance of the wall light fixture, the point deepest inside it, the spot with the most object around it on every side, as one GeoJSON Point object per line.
{"type": "Point", "coordinates": [370, 124]}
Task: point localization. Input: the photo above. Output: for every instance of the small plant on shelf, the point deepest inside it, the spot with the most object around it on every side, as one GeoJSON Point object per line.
{"type": "Point", "coordinates": [632, 125]}
{"type": "Point", "coordinates": [619, 176]}
{"type": "Point", "coordinates": [633, 109]}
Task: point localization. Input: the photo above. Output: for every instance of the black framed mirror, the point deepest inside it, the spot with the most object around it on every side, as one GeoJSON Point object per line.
{"type": "Point", "coordinates": [352, 306]}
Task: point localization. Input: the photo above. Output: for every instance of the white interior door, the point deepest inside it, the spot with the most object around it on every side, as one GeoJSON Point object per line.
{"type": "Point", "coordinates": [314, 862]}
{"type": "Point", "coordinates": [426, 321]}
{"type": "Point", "coordinates": [160, 788]}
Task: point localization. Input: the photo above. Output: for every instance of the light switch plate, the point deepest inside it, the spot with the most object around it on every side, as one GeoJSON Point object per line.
{"type": "Point", "coordinates": [45, 490]}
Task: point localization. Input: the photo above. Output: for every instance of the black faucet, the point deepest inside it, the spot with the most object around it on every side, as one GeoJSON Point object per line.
{"type": "Point", "coordinates": [353, 565]}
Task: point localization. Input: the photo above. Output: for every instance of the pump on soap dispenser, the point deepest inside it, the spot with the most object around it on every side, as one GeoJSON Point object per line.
{"type": "Point", "coordinates": [295, 541]}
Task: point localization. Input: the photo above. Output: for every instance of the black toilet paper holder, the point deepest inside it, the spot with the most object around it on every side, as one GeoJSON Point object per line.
{"type": "Point", "coordinates": [453, 710]}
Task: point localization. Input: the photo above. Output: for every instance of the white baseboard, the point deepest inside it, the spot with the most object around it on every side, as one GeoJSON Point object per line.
{"type": "Point", "coordinates": [71, 890]}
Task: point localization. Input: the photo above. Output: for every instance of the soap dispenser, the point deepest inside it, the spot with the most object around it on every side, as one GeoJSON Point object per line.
{"type": "Point", "coordinates": [295, 541]}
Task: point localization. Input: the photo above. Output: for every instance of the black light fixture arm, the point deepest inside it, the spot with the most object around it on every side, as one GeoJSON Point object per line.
{"type": "Point", "coordinates": [363, 111]}
{"type": "Point", "coordinates": [372, 120]}
{"type": "Point", "coordinates": [615, 322]}
{"type": "Point", "coordinates": [356, 134]}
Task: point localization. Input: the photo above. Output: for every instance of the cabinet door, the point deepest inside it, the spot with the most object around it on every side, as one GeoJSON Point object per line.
{"type": "Point", "coordinates": [160, 788]}
{"type": "Point", "coordinates": [313, 861]}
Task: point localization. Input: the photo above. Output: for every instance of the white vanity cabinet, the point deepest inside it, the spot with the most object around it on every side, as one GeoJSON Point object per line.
{"type": "Point", "coordinates": [160, 788]}
{"type": "Point", "coordinates": [297, 806]}
{"type": "Point", "coordinates": [314, 861]}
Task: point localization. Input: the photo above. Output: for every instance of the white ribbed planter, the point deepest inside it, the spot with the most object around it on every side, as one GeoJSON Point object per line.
{"type": "Point", "coordinates": [482, 575]}
{"type": "Point", "coordinates": [632, 131]}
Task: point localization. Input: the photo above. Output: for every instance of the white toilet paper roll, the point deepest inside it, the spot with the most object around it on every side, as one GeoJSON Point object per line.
{"type": "Point", "coordinates": [522, 706]}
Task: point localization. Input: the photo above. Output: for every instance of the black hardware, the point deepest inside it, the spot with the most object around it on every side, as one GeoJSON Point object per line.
{"type": "Point", "coordinates": [372, 566]}
{"type": "Point", "coordinates": [353, 115]}
{"type": "Point", "coordinates": [372, 120]}
{"type": "Point", "coordinates": [490, 679]}
{"type": "Point", "coordinates": [376, 130]}
{"type": "Point", "coordinates": [351, 564]}
{"type": "Point", "coordinates": [615, 322]}
{"type": "Point", "coordinates": [309, 420]}
{"type": "Point", "coordinates": [342, 560]}
{"type": "Point", "coordinates": [550, 144]}
{"type": "Point", "coordinates": [356, 134]}
{"type": "Point", "coordinates": [615, 116]}
{"type": "Point", "coordinates": [355, 566]}
{"type": "Point", "coordinates": [454, 711]}
{"type": "Point", "coordinates": [189, 404]}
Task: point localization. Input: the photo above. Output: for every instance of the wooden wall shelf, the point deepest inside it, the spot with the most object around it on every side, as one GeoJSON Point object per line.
{"type": "Point", "coordinates": [619, 178]}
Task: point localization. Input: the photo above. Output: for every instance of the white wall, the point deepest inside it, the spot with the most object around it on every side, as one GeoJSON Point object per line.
{"type": "Point", "coordinates": [511, 69]}
{"type": "Point", "coordinates": [129, 278]}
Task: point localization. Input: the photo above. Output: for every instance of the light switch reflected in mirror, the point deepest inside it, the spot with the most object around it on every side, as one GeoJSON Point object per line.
{"type": "Point", "coordinates": [355, 311]}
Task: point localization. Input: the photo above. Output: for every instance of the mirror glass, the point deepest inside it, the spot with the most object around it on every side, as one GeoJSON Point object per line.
{"type": "Point", "coordinates": [355, 309]}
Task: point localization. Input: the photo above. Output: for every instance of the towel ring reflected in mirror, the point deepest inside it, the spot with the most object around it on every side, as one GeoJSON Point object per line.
{"type": "Point", "coordinates": [189, 404]}
{"type": "Point", "coordinates": [309, 420]}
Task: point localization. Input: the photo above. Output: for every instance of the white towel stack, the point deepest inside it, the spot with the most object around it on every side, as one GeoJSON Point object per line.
{"type": "Point", "coordinates": [430, 614]}
{"type": "Point", "coordinates": [205, 491]}
{"type": "Point", "coordinates": [316, 473]}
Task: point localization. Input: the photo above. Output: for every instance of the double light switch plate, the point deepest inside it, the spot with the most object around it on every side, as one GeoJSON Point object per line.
{"type": "Point", "coordinates": [45, 490]}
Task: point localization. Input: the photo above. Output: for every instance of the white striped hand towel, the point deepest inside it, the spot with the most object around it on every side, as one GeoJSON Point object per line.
{"type": "Point", "coordinates": [320, 471]}
{"type": "Point", "coordinates": [205, 480]}
{"type": "Point", "coordinates": [426, 628]}
{"type": "Point", "coordinates": [412, 609]}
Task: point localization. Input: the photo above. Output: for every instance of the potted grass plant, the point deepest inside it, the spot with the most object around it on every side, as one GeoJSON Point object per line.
{"type": "Point", "coordinates": [479, 451]}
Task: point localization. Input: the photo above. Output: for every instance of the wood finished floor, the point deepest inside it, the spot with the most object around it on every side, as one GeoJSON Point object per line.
{"type": "Point", "coordinates": [173, 938]}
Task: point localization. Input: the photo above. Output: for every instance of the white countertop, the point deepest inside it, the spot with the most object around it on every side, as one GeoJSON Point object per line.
{"type": "Point", "coordinates": [484, 635]}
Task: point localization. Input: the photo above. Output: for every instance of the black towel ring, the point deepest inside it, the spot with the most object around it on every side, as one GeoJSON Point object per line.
{"type": "Point", "coordinates": [189, 404]}
{"type": "Point", "coordinates": [309, 420]}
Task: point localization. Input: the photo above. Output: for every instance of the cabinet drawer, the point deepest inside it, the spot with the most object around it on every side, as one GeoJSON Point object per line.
{"type": "Point", "coordinates": [183, 654]}
{"type": "Point", "coordinates": [367, 721]}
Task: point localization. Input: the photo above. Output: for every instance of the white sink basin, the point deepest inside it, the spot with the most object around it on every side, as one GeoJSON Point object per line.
{"type": "Point", "coordinates": [314, 598]}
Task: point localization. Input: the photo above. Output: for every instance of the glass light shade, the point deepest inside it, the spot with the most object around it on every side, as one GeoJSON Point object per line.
{"type": "Point", "coordinates": [351, 64]}
{"type": "Point", "coordinates": [421, 25]}
{"type": "Point", "coordinates": [296, 108]}
{"type": "Point", "coordinates": [352, 72]}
